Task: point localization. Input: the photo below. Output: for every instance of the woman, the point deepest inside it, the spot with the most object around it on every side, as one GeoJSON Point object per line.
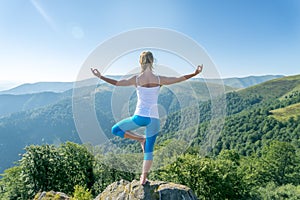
{"type": "Point", "coordinates": [146, 114]}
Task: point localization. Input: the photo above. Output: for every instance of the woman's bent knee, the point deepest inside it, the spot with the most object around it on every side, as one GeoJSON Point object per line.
{"type": "Point", "coordinates": [117, 131]}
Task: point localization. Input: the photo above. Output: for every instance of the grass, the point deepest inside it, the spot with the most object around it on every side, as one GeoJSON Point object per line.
{"type": "Point", "coordinates": [283, 114]}
{"type": "Point", "coordinates": [295, 89]}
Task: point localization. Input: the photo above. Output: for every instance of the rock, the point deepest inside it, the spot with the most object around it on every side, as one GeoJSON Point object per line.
{"type": "Point", "coordinates": [51, 195]}
{"type": "Point", "coordinates": [152, 190]}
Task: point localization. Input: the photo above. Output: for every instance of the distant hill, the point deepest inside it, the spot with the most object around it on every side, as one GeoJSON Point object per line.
{"type": "Point", "coordinates": [30, 96]}
{"type": "Point", "coordinates": [57, 87]}
{"type": "Point", "coordinates": [10, 103]}
{"type": "Point", "coordinates": [30, 88]}
{"type": "Point", "coordinates": [243, 82]}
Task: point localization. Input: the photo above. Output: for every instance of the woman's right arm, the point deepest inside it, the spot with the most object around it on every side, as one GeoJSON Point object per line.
{"type": "Point", "coordinates": [171, 80]}
{"type": "Point", "coordinates": [123, 82]}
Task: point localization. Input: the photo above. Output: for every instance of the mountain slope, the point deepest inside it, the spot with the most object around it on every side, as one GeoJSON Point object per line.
{"type": "Point", "coordinates": [249, 124]}
{"type": "Point", "coordinates": [288, 112]}
{"type": "Point", "coordinates": [15, 103]}
{"type": "Point", "coordinates": [254, 127]}
{"type": "Point", "coordinates": [51, 125]}
{"type": "Point", "coordinates": [276, 88]}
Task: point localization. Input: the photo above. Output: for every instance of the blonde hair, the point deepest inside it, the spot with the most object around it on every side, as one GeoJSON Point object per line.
{"type": "Point", "coordinates": [146, 60]}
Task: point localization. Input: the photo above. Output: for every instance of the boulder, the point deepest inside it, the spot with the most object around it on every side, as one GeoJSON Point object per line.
{"type": "Point", "coordinates": [51, 195]}
{"type": "Point", "coordinates": [152, 190]}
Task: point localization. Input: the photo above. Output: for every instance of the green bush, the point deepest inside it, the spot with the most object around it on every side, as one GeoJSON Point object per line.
{"type": "Point", "coordinates": [81, 193]}
{"type": "Point", "coordinates": [272, 192]}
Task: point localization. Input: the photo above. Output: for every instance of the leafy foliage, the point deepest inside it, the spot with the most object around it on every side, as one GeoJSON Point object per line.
{"type": "Point", "coordinates": [271, 191]}
{"type": "Point", "coordinates": [80, 193]}
{"type": "Point", "coordinates": [46, 167]}
{"type": "Point", "coordinates": [12, 185]}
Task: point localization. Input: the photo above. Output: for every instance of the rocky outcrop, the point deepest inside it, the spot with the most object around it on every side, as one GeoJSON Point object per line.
{"type": "Point", "coordinates": [51, 195]}
{"type": "Point", "coordinates": [152, 190]}
{"type": "Point", "coordinates": [125, 190]}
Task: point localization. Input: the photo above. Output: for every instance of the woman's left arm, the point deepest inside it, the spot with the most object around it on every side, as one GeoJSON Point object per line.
{"type": "Point", "coordinates": [171, 80]}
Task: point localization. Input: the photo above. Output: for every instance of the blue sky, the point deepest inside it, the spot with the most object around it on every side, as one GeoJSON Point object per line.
{"type": "Point", "coordinates": [48, 40]}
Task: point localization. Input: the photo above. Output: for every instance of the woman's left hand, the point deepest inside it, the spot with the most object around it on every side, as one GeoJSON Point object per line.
{"type": "Point", "coordinates": [96, 72]}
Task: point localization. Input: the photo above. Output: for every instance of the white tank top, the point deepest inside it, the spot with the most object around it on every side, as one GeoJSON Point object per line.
{"type": "Point", "coordinates": [147, 100]}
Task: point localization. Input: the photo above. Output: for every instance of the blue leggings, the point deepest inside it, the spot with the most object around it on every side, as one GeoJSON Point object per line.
{"type": "Point", "coordinates": [136, 121]}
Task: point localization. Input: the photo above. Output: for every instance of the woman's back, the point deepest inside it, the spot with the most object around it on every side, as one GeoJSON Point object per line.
{"type": "Point", "coordinates": [148, 86]}
{"type": "Point", "coordinates": [147, 79]}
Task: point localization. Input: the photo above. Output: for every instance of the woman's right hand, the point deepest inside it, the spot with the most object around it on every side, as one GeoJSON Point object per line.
{"type": "Point", "coordinates": [199, 69]}
{"type": "Point", "coordinates": [96, 72]}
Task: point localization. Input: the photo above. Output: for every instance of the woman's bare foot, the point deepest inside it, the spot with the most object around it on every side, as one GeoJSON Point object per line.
{"type": "Point", "coordinates": [143, 144]}
{"type": "Point", "coordinates": [143, 179]}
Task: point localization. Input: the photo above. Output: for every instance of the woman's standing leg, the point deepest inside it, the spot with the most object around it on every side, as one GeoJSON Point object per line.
{"type": "Point", "coordinates": [152, 131]}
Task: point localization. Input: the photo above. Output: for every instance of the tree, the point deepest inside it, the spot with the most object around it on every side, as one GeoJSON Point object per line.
{"type": "Point", "coordinates": [271, 191]}
{"type": "Point", "coordinates": [280, 161]}
{"type": "Point", "coordinates": [60, 168]}
{"type": "Point", "coordinates": [41, 168]}
{"type": "Point", "coordinates": [207, 177]}
{"type": "Point", "coordinates": [77, 166]}
{"type": "Point", "coordinates": [12, 187]}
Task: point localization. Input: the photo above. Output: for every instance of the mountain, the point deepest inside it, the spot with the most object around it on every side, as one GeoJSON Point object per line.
{"type": "Point", "coordinates": [30, 88]}
{"type": "Point", "coordinates": [243, 82]}
{"type": "Point", "coordinates": [30, 96]}
{"type": "Point", "coordinates": [54, 123]}
{"type": "Point", "coordinates": [56, 87]}
{"type": "Point", "coordinates": [250, 123]}
{"type": "Point", "coordinates": [256, 123]}
{"type": "Point", "coordinates": [10, 103]}
{"type": "Point", "coordinates": [48, 125]}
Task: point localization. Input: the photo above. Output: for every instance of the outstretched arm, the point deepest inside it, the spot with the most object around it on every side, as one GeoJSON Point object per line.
{"type": "Point", "coordinates": [123, 82]}
{"type": "Point", "coordinates": [171, 80]}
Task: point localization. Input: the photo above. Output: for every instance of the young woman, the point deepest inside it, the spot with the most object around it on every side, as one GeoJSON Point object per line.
{"type": "Point", "coordinates": [146, 114]}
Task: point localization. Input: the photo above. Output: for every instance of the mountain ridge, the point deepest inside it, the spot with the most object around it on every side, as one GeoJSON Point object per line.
{"type": "Point", "coordinates": [29, 88]}
{"type": "Point", "coordinates": [243, 82]}
{"type": "Point", "coordinates": [57, 87]}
